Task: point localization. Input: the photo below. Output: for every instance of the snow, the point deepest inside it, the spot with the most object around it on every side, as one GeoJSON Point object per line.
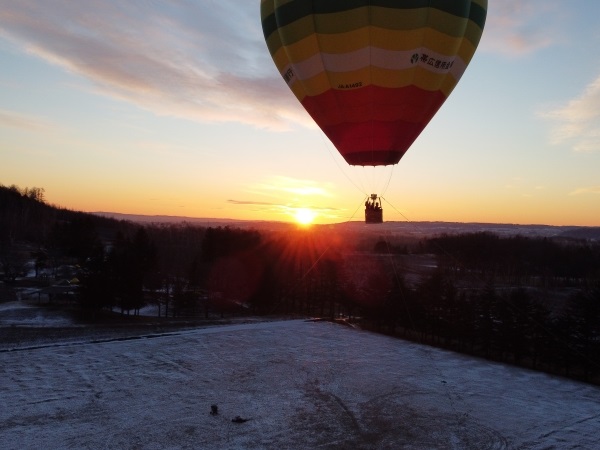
{"type": "Point", "coordinates": [28, 315]}
{"type": "Point", "coordinates": [302, 384]}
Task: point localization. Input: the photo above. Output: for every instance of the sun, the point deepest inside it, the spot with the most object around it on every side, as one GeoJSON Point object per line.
{"type": "Point", "coordinates": [305, 216]}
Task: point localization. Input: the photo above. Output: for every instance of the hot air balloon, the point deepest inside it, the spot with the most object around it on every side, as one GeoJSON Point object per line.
{"type": "Point", "coordinates": [372, 73]}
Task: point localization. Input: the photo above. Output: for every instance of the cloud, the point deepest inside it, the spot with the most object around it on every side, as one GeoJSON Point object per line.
{"type": "Point", "coordinates": [203, 61]}
{"type": "Point", "coordinates": [578, 121]}
{"type": "Point", "coordinates": [206, 60]}
{"type": "Point", "coordinates": [287, 210]}
{"type": "Point", "coordinates": [280, 185]}
{"type": "Point", "coordinates": [15, 120]}
{"type": "Point", "coordinates": [586, 190]}
{"type": "Point", "coordinates": [518, 28]}
{"type": "Point", "coordinates": [285, 195]}
{"type": "Point", "coordinates": [252, 202]}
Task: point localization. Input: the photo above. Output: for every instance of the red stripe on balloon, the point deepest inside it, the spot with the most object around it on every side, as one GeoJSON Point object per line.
{"type": "Point", "coordinates": [373, 143]}
{"type": "Point", "coordinates": [373, 125]}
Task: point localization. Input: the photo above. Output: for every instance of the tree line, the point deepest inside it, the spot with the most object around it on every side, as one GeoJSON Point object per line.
{"type": "Point", "coordinates": [533, 302]}
{"type": "Point", "coordinates": [513, 305]}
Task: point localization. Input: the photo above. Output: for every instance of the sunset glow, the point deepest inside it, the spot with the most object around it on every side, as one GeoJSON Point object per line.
{"type": "Point", "coordinates": [305, 216]}
{"type": "Point", "coordinates": [124, 114]}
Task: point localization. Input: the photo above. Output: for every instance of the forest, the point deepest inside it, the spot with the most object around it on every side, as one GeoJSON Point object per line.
{"type": "Point", "coordinates": [532, 302]}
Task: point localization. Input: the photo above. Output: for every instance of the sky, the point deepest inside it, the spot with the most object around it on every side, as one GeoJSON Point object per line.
{"type": "Point", "coordinates": [176, 108]}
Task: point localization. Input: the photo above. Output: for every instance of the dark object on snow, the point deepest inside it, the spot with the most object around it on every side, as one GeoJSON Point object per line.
{"type": "Point", "coordinates": [214, 410]}
{"type": "Point", "coordinates": [238, 419]}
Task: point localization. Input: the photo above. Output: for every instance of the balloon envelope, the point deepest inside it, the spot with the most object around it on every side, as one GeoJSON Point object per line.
{"type": "Point", "coordinates": [372, 73]}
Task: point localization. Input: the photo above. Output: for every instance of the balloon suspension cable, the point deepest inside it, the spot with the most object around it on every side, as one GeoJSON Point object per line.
{"type": "Point", "coordinates": [387, 184]}
{"type": "Point", "coordinates": [362, 189]}
{"type": "Point", "coordinates": [396, 209]}
{"type": "Point", "coordinates": [328, 147]}
{"type": "Point", "coordinates": [511, 305]}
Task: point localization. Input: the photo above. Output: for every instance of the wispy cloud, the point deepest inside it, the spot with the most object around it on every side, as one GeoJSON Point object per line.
{"type": "Point", "coordinates": [578, 121]}
{"type": "Point", "coordinates": [279, 185]}
{"type": "Point", "coordinates": [586, 190]}
{"type": "Point", "coordinates": [517, 28]}
{"type": "Point", "coordinates": [16, 120]}
{"type": "Point", "coordinates": [280, 205]}
{"type": "Point", "coordinates": [252, 202]}
{"type": "Point", "coordinates": [204, 60]}
{"type": "Point", "coordinates": [286, 195]}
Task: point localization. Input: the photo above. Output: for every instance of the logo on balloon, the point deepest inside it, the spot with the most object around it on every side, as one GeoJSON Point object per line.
{"type": "Point", "coordinates": [288, 76]}
{"type": "Point", "coordinates": [350, 85]}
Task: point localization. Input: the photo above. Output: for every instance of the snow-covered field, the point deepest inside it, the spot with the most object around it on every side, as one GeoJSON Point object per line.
{"type": "Point", "coordinates": [301, 384]}
{"type": "Point", "coordinates": [26, 314]}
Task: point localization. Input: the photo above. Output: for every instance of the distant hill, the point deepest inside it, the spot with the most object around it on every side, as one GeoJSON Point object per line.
{"type": "Point", "coordinates": [140, 218]}
{"type": "Point", "coordinates": [414, 229]}
{"type": "Point", "coordinates": [200, 221]}
{"type": "Point", "coordinates": [25, 215]}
